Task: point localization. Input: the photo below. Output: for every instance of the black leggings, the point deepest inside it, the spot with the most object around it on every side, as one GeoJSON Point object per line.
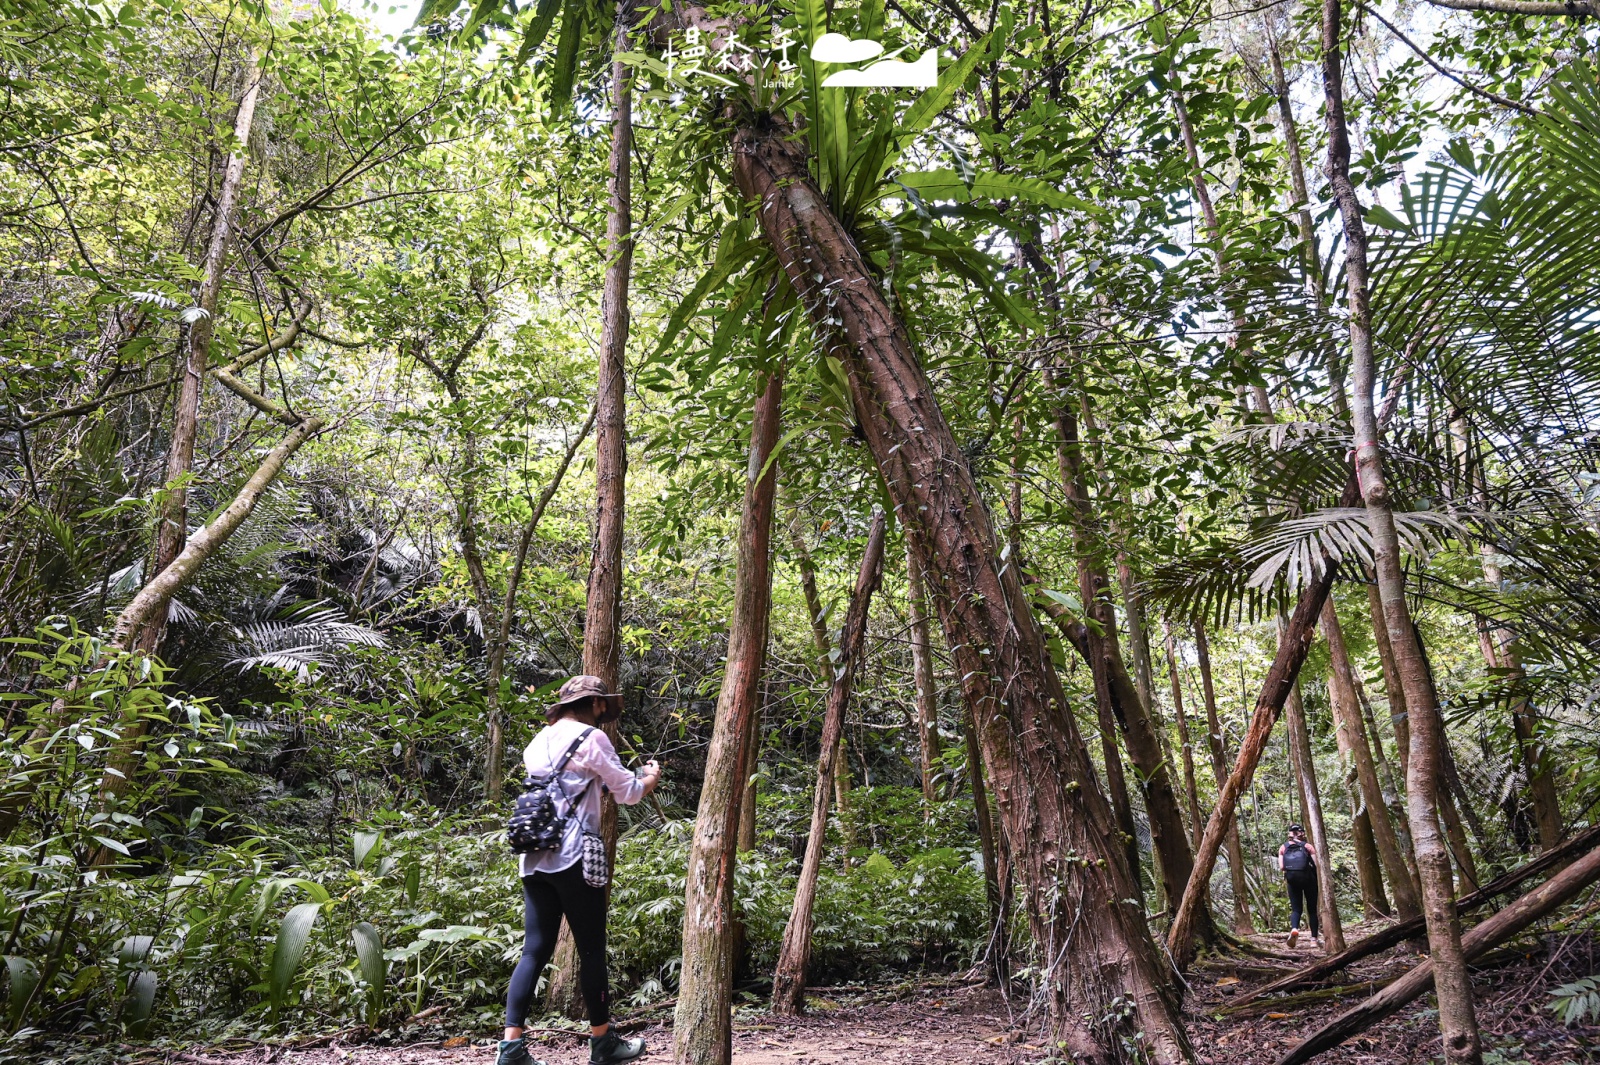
{"type": "Point", "coordinates": [1302, 894]}
{"type": "Point", "coordinates": [546, 897]}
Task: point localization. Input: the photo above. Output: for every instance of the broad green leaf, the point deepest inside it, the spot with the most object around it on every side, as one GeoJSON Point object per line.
{"type": "Point", "coordinates": [544, 16]}
{"type": "Point", "coordinates": [24, 978]}
{"type": "Point", "coordinates": [293, 935]}
{"type": "Point", "coordinates": [364, 845]}
{"type": "Point", "coordinates": [565, 70]}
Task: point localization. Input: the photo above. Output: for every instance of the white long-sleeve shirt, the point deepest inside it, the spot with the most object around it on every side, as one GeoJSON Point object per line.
{"type": "Point", "coordinates": [594, 763]}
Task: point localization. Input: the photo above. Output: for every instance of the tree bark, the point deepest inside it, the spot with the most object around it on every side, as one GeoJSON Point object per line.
{"type": "Point", "coordinates": [1457, 1018]}
{"type": "Point", "coordinates": [996, 880]}
{"type": "Point", "coordinates": [1305, 765]}
{"type": "Point", "coordinates": [1190, 784]}
{"type": "Point", "coordinates": [602, 649]}
{"type": "Point", "coordinates": [1216, 745]}
{"type": "Point", "coordinates": [824, 645]}
{"type": "Point", "coordinates": [172, 527]}
{"type": "Point", "coordinates": [1100, 649]}
{"type": "Point", "coordinates": [1055, 816]}
{"type": "Point", "coordinates": [1112, 685]}
{"type": "Point", "coordinates": [1568, 8]}
{"type": "Point", "coordinates": [789, 979]}
{"type": "Point", "coordinates": [1498, 929]}
{"type": "Point", "coordinates": [1353, 737]}
{"type": "Point", "coordinates": [922, 671]}
{"type": "Point", "coordinates": [1369, 866]}
{"type": "Point", "coordinates": [1399, 713]}
{"type": "Point", "coordinates": [703, 1029]}
{"type": "Point", "coordinates": [1500, 652]}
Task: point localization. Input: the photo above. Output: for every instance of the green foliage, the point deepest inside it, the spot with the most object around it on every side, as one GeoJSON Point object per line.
{"type": "Point", "coordinates": [1578, 1002]}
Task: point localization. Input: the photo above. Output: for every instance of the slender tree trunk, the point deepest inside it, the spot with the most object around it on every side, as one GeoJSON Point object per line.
{"type": "Point", "coordinates": [1369, 867]}
{"type": "Point", "coordinates": [752, 762]}
{"type": "Point", "coordinates": [703, 1029]}
{"type": "Point", "coordinates": [176, 556]}
{"type": "Point", "coordinates": [1399, 713]}
{"type": "Point", "coordinates": [824, 645]}
{"type": "Point", "coordinates": [1055, 816]}
{"type": "Point", "coordinates": [996, 881]}
{"type": "Point", "coordinates": [1457, 1018]}
{"type": "Point", "coordinates": [1216, 744]}
{"type": "Point", "coordinates": [1293, 644]}
{"type": "Point", "coordinates": [1112, 686]}
{"type": "Point", "coordinates": [1138, 630]}
{"type": "Point", "coordinates": [1500, 652]}
{"type": "Point", "coordinates": [1386, 775]}
{"type": "Point", "coordinates": [922, 671]}
{"type": "Point", "coordinates": [1190, 785]}
{"type": "Point", "coordinates": [172, 527]}
{"type": "Point", "coordinates": [1168, 837]}
{"type": "Point", "coordinates": [789, 979]}
{"type": "Point", "coordinates": [1407, 893]}
{"type": "Point", "coordinates": [494, 766]}
{"type": "Point", "coordinates": [1299, 736]}
{"type": "Point", "coordinates": [602, 646]}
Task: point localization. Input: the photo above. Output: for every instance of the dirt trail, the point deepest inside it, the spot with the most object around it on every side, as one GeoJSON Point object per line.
{"type": "Point", "coordinates": [971, 1025]}
{"type": "Point", "coordinates": [958, 1026]}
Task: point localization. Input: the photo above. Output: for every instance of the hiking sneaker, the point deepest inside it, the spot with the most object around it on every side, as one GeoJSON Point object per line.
{"type": "Point", "coordinates": [611, 1047]}
{"type": "Point", "coordinates": [515, 1052]}
{"type": "Point", "coordinates": [1294, 936]}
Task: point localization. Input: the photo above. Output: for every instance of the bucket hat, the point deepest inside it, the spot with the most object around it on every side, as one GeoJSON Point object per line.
{"type": "Point", "coordinates": [577, 689]}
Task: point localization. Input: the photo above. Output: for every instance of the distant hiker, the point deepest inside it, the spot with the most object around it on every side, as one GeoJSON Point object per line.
{"type": "Point", "coordinates": [556, 829]}
{"type": "Point", "coordinates": [1299, 867]}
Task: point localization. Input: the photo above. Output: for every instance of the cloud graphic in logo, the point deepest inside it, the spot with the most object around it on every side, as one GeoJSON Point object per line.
{"type": "Point", "coordinates": [837, 48]}
{"type": "Point", "coordinates": [887, 73]}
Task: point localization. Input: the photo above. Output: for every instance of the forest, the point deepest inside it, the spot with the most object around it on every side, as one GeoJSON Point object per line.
{"type": "Point", "coordinates": [1093, 505]}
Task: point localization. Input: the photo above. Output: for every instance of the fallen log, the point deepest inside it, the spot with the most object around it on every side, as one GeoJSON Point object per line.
{"type": "Point", "coordinates": [1483, 938]}
{"type": "Point", "coordinates": [1401, 931]}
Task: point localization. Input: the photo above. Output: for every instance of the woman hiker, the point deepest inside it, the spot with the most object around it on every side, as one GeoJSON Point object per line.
{"type": "Point", "coordinates": [1299, 867]}
{"type": "Point", "coordinates": [554, 881]}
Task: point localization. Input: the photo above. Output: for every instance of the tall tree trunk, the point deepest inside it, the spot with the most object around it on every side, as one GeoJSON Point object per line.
{"type": "Point", "coordinates": [789, 979]}
{"type": "Point", "coordinates": [602, 646]}
{"type": "Point", "coordinates": [752, 762]}
{"type": "Point", "coordinates": [1500, 652]}
{"type": "Point", "coordinates": [1216, 744]}
{"type": "Point", "coordinates": [1293, 644]}
{"type": "Point", "coordinates": [703, 1029]}
{"type": "Point", "coordinates": [172, 541]}
{"type": "Point", "coordinates": [1353, 736]}
{"type": "Point", "coordinates": [996, 875]}
{"type": "Point", "coordinates": [1168, 836]}
{"type": "Point", "coordinates": [1055, 816]}
{"type": "Point", "coordinates": [500, 641]}
{"type": "Point", "coordinates": [172, 528]}
{"type": "Point", "coordinates": [824, 645]}
{"type": "Point", "coordinates": [1457, 1018]}
{"type": "Point", "coordinates": [1190, 784]}
{"type": "Point", "coordinates": [1299, 736]}
{"type": "Point", "coordinates": [1369, 866]}
{"type": "Point", "coordinates": [1138, 630]}
{"type": "Point", "coordinates": [923, 674]}
{"type": "Point", "coordinates": [1399, 713]}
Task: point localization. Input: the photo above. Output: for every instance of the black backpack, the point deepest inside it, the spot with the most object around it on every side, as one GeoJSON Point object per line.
{"type": "Point", "coordinates": [1295, 857]}
{"type": "Point", "coordinates": [537, 823]}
